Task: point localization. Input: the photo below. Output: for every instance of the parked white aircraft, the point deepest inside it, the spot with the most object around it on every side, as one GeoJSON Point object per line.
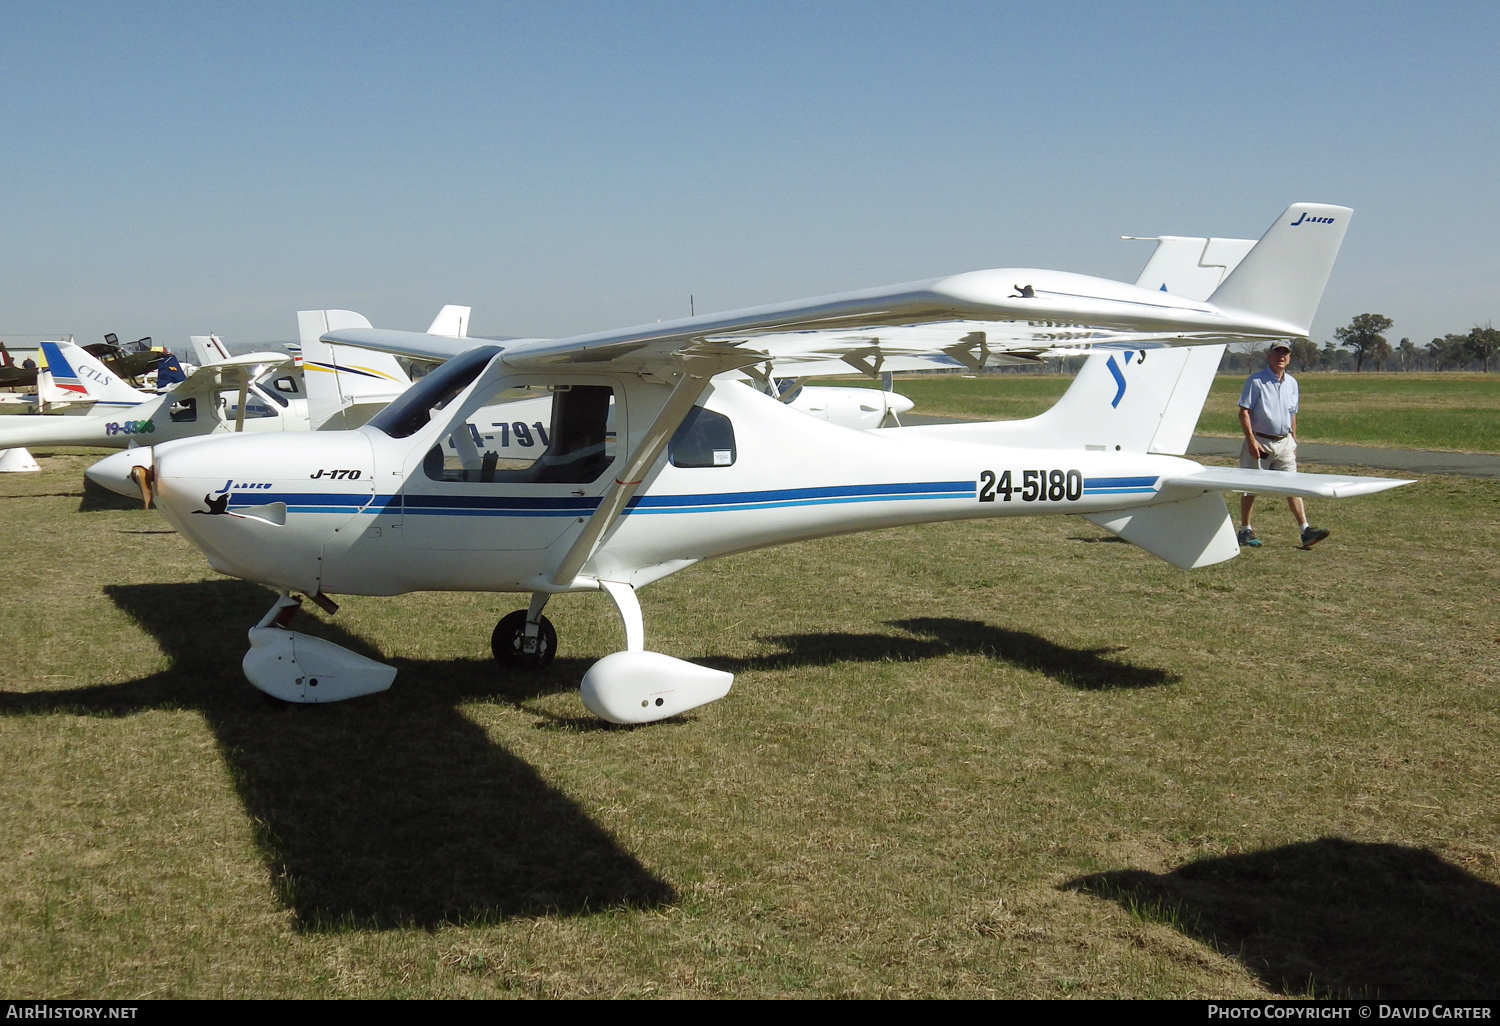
{"type": "Point", "coordinates": [259, 392]}
{"type": "Point", "coordinates": [701, 465]}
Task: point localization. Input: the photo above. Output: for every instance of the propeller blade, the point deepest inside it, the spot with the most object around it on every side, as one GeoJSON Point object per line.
{"type": "Point", "coordinates": [144, 480]}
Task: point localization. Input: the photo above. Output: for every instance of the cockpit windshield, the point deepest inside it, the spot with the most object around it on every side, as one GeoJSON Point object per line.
{"type": "Point", "coordinates": [413, 409]}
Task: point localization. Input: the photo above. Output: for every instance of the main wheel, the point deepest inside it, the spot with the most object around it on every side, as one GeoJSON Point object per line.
{"type": "Point", "coordinates": [509, 642]}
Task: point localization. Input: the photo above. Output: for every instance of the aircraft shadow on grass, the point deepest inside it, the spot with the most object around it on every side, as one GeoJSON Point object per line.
{"type": "Point", "coordinates": [1330, 918]}
{"type": "Point", "coordinates": [372, 814]}
{"type": "Point", "coordinates": [1087, 669]}
{"type": "Point", "coordinates": [95, 498]}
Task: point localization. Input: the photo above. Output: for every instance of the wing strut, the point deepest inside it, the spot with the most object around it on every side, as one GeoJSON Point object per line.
{"type": "Point", "coordinates": [697, 370]}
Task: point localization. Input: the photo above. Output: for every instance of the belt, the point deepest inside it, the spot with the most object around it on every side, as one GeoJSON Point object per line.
{"type": "Point", "coordinates": [1270, 438]}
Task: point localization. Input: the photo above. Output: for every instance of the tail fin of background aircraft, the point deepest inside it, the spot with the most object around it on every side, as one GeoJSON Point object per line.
{"type": "Point", "coordinates": [1191, 267]}
{"type": "Point", "coordinates": [80, 378]}
{"type": "Point", "coordinates": [346, 386]}
{"type": "Point", "coordinates": [209, 349]}
{"type": "Point", "coordinates": [451, 321]}
{"type": "Point", "coordinates": [169, 372]}
{"type": "Point", "coordinates": [1283, 277]}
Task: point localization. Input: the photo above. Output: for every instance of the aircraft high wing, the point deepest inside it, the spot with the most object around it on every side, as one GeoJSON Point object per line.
{"type": "Point", "coordinates": [1271, 295]}
{"type": "Point", "coordinates": [653, 457]}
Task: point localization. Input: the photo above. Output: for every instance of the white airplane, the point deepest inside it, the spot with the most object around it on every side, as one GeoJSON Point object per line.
{"type": "Point", "coordinates": [701, 465]}
{"type": "Point", "coordinates": [258, 392]}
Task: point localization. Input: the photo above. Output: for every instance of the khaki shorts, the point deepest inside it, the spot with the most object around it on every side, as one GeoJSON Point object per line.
{"type": "Point", "coordinates": [1280, 455]}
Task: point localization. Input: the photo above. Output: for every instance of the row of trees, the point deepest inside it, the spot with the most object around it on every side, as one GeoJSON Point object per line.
{"type": "Point", "coordinates": [1364, 338]}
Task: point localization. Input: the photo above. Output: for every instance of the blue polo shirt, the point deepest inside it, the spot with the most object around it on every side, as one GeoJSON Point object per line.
{"type": "Point", "coordinates": [1271, 403]}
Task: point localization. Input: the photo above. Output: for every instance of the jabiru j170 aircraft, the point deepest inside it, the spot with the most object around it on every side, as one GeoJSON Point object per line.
{"type": "Point", "coordinates": [657, 453]}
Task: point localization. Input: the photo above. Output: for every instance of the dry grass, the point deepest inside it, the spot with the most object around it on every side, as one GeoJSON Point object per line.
{"type": "Point", "coordinates": [1013, 759]}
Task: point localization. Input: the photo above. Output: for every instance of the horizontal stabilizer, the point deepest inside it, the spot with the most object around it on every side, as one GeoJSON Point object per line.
{"type": "Point", "coordinates": [1283, 482]}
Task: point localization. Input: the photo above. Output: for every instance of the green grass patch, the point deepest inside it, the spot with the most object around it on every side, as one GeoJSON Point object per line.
{"type": "Point", "coordinates": [1455, 412]}
{"type": "Point", "coordinates": [985, 758]}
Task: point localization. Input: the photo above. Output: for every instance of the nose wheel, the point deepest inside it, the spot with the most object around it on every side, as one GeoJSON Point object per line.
{"type": "Point", "coordinates": [515, 646]}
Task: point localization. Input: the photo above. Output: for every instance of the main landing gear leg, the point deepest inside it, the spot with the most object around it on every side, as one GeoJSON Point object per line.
{"type": "Point", "coordinates": [636, 686]}
{"type": "Point", "coordinates": [629, 608]}
{"type": "Point", "coordinates": [525, 639]}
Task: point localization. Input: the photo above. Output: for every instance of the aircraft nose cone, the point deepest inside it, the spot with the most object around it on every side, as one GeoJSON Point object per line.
{"type": "Point", "coordinates": [898, 403]}
{"type": "Point", "coordinates": [113, 472]}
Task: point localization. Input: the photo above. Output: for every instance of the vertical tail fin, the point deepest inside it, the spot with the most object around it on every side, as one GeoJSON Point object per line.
{"type": "Point", "coordinates": [78, 377]}
{"type": "Point", "coordinates": [169, 372]}
{"type": "Point", "coordinates": [1283, 277]}
{"type": "Point", "coordinates": [346, 386]}
{"type": "Point", "coordinates": [451, 321]}
{"type": "Point", "coordinates": [209, 349]}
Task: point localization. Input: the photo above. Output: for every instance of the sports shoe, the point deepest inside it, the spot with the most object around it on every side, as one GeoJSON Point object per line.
{"type": "Point", "coordinates": [1247, 538]}
{"type": "Point", "coordinates": [1312, 535]}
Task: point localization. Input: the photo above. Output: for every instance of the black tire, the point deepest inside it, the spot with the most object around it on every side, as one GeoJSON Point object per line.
{"type": "Point", "coordinates": [510, 633]}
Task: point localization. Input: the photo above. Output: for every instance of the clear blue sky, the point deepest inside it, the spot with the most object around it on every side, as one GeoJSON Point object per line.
{"type": "Point", "coordinates": [169, 169]}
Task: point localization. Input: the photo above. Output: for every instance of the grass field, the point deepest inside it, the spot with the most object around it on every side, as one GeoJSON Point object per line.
{"type": "Point", "coordinates": [1015, 759]}
{"type": "Point", "coordinates": [1459, 412]}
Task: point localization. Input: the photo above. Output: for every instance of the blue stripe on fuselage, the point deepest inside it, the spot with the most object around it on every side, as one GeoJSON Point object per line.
{"type": "Point", "coordinates": [1119, 485]}
{"type": "Point", "coordinates": [572, 506]}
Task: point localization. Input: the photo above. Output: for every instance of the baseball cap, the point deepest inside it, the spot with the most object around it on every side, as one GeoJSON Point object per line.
{"type": "Point", "coordinates": [1280, 345]}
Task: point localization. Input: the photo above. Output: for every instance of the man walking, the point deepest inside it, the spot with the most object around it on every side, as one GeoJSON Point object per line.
{"type": "Point", "coordinates": [1268, 419]}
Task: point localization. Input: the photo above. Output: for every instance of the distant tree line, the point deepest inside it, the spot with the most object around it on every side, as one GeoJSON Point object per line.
{"type": "Point", "coordinates": [1362, 342]}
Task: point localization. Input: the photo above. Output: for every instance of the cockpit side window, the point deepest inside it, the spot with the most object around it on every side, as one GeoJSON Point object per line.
{"type": "Point", "coordinates": [256, 406]}
{"type": "Point", "coordinates": [413, 409]}
{"type": "Point", "coordinates": [531, 434]}
{"type": "Point", "coordinates": [272, 394]}
{"type": "Point", "coordinates": [703, 439]}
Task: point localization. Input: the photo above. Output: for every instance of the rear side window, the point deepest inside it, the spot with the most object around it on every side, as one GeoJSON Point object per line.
{"type": "Point", "coordinates": [703, 439]}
